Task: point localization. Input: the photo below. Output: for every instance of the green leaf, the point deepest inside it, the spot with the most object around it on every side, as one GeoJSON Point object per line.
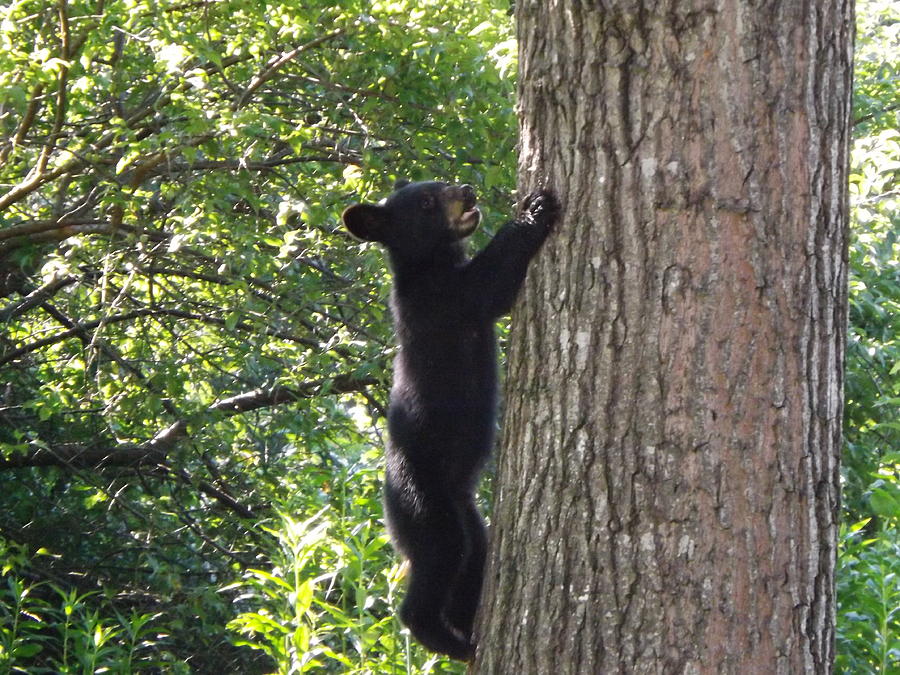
{"type": "Point", "coordinates": [885, 502]}
{"type": "Point", "coordinates": [26, 650]}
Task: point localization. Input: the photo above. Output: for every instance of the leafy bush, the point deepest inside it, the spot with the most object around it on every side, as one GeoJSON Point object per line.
{"type": "Point", "coordinates": [324, 601]}
{"type": "Point", "coordinates": [56, 630]}
{"type": "Point", "coordinates": [869, 593]}
{"type": "Point", "coordinates": [868, 620]}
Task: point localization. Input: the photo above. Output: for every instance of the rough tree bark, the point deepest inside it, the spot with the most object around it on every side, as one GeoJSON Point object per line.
{"type": "Point", "coordinates": [668, 481]}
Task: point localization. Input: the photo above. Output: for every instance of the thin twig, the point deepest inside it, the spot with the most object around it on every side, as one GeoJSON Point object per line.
{"type": "Point", "coordinates": [276, 63]}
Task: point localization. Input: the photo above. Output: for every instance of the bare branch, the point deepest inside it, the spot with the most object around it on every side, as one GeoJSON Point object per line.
{"type": "Point", "coordinates": [61, 92]}
{"type": "Point", "coordinates": [265, 397]}
{"type": "Point", "coordinates": [76, 163]}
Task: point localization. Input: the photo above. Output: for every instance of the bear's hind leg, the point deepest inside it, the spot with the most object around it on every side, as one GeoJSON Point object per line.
{"type": "Point", "coordinates": [437, 549]}
{"type": "Point", "coordinates": [466, 592]}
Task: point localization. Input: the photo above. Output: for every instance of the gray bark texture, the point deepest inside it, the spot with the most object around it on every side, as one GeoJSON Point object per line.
{"type": "Point", "coordinates": [668, 489]}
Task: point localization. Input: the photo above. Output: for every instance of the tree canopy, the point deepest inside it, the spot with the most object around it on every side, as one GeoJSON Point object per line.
{"type": "Point", "coordinates": [193, 351]}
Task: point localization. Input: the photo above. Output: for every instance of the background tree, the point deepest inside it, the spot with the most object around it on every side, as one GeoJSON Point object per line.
{"type": "Point", "coordinates": [668, 488]}
{"type": "Point", "coordinates": [192, 353]}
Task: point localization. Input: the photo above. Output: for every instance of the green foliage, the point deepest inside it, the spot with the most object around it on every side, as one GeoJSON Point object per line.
{"type": "Point", "coordinates": [869, 591]}
{"type": "Point", "coordinates": [192, 351]}
{"type": "Point", "coordinates": [58, 630]}
{"type": "Point", "coordinates": [876, 96]}
{"type": "Point", "coordinates": [868, 626]}
{"type": "Point", "coordinates": [323, 601]}
{"type": "Point", "coordinates": [873, 351]}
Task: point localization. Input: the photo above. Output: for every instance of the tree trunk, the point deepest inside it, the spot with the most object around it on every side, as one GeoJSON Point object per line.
{"type": "Point", "coordinates": [667, 496]}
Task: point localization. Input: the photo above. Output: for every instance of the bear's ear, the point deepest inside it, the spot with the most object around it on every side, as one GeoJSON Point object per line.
{"type": "Point", "coordinates": [400, 183]}
{"type": "Point", "coordinates": [368, 222]}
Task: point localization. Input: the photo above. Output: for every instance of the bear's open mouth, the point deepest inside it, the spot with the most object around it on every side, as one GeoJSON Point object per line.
{"type": "Point", "coordinates": [470, 214]}
{"type": "Point", "coordinates": [462, 212]}
{"type": "Point", "coordinates": [467, 222]}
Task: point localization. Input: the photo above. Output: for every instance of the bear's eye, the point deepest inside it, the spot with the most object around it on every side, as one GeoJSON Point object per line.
{"type": "Point", "coordinates": [428, 202]}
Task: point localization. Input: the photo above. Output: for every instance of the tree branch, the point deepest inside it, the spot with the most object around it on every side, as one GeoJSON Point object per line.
{"type": "Point", "coordinates": [36, 180]}
{"type": "Point", "coordinates": [35, 298]}
{"type": "Point", "coordinates": [34, 104]}
{"type": "Point", "coordinates": [21, 230]}
{"type": "Point", "coordinates": [211, 490]}
{"type": "Point", "coordinates": [80, 456]}
{"type": "Point", "coordinates": [154, 451]}
{"type": "Point", "coordinates": [259, 165]}
{"type": "Point", "coordinates": [147, 311]}
{"type": "Point", "coordinates": [871, 116]}
{"type": "Point", "coordinates": [276, 63]}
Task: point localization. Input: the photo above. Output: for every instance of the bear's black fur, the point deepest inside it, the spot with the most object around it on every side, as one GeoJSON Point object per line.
{"type": "Point", "coordinates": [442, 410]}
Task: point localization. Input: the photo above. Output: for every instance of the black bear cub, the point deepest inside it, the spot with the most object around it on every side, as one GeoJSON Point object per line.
{"type": "Point", "coordinates": [442, 409]}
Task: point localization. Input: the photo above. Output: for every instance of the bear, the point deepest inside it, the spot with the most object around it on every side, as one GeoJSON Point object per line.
{"type": "Point", "coordinates": [443, 402]}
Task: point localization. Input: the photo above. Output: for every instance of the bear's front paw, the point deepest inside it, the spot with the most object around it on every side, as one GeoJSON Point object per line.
{"type": "Point", "coordinates": [542, 208]}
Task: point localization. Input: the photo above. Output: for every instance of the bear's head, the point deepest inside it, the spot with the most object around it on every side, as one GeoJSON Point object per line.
{"type": "Point", "coordinates": [417, 219]}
